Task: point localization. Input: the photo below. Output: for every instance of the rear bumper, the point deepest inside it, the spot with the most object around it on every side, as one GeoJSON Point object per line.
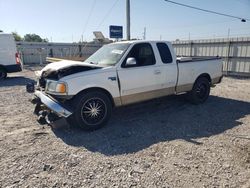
{"type": "Point", "coordinates": [52, 104]}
{"type": "Point", "coordinates": [13, 68]}
{"type": "Point", "coordinates": [220, 79]}
{"type": "Point", "coordinates": [217, 80]}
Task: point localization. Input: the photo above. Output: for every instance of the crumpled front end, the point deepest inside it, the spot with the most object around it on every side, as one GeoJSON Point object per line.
{"type": "Point", "coordinates": [53, 105]}
{"type": "Point", "coordinates": [51, 93]}
{"type": "Point", "coordinates": [48, 109]}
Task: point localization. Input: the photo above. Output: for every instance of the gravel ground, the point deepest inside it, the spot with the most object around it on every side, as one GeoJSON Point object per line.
{"type": "Point", "coordinates": [161, 143]}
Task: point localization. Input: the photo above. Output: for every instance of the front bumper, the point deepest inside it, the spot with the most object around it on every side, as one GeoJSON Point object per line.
{"type": "Point", "coordinates": [52, 104]}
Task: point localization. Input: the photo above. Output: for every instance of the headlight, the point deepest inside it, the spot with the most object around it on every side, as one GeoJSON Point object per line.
{"type": "Point", "coordinates": [56, 87]}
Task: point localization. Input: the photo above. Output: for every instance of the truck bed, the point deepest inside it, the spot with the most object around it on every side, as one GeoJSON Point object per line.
{"type": "Point", "coordinates": [189, 68]}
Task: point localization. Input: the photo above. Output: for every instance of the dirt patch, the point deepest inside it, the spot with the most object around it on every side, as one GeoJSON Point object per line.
{"type": "Point", "coordinates": [162, 143]}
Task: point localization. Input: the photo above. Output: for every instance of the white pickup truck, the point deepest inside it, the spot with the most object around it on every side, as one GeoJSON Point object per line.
{"type": "Point", "coordinates": [119, 74]}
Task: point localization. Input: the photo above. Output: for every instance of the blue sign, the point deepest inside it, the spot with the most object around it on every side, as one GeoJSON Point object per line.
{"type": "Point", "coordinates": [115, 32]}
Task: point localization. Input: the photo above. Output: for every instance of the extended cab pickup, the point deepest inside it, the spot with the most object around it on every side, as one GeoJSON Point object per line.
{"type": "Point", "coordinates": [119, 74]}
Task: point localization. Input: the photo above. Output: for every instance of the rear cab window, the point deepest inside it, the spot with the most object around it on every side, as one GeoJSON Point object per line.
{"type": "Point", "coordinates": [166, 56]}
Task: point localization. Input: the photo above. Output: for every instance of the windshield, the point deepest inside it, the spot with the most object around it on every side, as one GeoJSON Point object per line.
{"type": "Point", "coordinates": [108, 55]}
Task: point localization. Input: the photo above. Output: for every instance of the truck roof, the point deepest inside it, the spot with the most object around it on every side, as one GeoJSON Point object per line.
{"type": "Point", "coordinates": [141, 41]}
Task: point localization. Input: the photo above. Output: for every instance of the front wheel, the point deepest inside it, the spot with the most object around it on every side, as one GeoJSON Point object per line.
{"type": "Point", "coordinates": [91, 110]}
{"type": "Point", "coordinates": [200, 91]}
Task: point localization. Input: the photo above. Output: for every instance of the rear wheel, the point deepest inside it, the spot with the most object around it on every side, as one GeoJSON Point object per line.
{"type": "Point", "coordinates": [3, 74]}
{"type": "Point", "coordinates": [91, 111]}
{"type": "Point", "coordinates": [200, 91]}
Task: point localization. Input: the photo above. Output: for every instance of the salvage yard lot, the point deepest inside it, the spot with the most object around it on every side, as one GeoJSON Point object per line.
{"type": "Point", "coordinates": [161, 143]}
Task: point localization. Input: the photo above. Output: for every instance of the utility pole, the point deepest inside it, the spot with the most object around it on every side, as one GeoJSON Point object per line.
{"type": "Point", "coordinates": [228, 33]}
{"type": "Point", "coordinates": [144, 33]}
{"type": "Point", "coordinates": [128, 18]}
{"type": "Point", "coordinates": [228, 50]}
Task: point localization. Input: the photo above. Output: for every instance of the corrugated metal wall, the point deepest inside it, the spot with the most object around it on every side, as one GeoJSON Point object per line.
{"type": "Point", "coordinates": [32, 52]}
{"type": "Point", "coordinates": [234, 51]}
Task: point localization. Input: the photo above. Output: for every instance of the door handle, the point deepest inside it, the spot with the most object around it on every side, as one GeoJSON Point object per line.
{"type": "Point", "coordinates": [157, 72]}
{"type": "Point", "coordinates": [112, 78]}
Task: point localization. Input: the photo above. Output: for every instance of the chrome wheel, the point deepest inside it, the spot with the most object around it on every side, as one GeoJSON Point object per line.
{"type": "Point", "coordinates": [93, 111]}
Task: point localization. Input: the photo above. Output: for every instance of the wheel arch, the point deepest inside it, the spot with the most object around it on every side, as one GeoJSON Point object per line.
{"type": "Point", "coordinates": [92, 89]}
{"type": "Point", "coordinates": [204, 75]}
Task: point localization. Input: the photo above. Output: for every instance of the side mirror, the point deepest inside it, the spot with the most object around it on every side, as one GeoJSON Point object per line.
{"type": "Point", "coordinates": [131, 61]}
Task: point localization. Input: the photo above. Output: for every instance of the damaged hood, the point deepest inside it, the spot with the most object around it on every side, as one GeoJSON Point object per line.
{"type": "Point", "coordinates": [65, 64]}
{"type": "Point", "coordinates": [63, 68]}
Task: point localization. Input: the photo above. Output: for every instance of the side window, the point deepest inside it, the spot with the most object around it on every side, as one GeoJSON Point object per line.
{"type": "Point", "coordinates": [143, 55]}
{"type": "Point", "coordinates": [165, 53]}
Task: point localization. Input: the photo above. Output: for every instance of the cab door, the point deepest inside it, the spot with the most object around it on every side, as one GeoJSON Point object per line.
{"type": "Point", "coordinates": [168, 67]}
{"type": "Point", "coordinates": [141, 79]}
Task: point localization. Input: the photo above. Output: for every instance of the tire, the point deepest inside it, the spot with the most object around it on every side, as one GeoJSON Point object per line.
{"type": "Point", "coordinates": [91, 111]}
{"type": "Point", "coordinates": [200, 91]}
{"type": "Point", "coordinates": [3, 74]}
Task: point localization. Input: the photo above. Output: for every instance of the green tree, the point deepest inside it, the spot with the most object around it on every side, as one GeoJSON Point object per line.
{"type": "Point", "coordinates": [46, 40]}
{"type": "Point", "coordinates": [34, 38]}
{"type": "Point", "coordinates": [17, 36]}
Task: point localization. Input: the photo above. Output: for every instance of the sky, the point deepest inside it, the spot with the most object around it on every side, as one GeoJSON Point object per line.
{"type": "Point", "coordinates": [73, 20]}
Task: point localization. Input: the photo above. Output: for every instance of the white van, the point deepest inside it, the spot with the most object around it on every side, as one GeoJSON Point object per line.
{"type": "Point", "coordinates": [9, 57]}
